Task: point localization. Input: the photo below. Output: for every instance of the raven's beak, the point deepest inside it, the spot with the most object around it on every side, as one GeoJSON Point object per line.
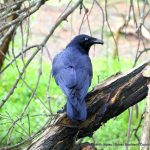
{"type": "Point", "coordinates": [97, 41]}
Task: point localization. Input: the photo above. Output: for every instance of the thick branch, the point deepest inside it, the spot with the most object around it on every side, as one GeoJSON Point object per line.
{"type": "Point", "coordinates": [105, 101]}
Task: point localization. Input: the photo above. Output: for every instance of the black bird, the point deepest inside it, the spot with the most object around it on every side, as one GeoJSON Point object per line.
{"type": "Point", "coordinates": [72, 70]}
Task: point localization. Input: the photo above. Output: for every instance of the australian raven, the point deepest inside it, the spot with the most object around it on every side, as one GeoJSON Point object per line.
{"type": "Point", "coordinates": [72, 70]}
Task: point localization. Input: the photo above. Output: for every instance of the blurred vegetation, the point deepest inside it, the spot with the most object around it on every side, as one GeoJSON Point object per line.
{"type": "Point", "coordinates": [38, 111]}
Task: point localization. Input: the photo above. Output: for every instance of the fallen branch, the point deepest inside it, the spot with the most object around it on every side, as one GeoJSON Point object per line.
{"type": "Point", "coordinates": [105, 101]}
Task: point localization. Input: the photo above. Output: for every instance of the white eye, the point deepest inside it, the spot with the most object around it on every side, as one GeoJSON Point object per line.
{"type": "Point", "coordinates": [86, 39]}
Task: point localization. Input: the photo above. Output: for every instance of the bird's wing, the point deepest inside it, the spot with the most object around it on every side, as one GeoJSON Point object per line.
{"type": "Point", "coordinates": [72, 79]}
{"type": "Point", "coordinates": [83, 82]}
{"type": "Point", "coordinates": [84, 76]}
{"type": "Point", "coordinates": [63, 73]}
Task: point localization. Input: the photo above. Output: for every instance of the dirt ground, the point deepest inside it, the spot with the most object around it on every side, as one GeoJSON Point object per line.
{"type": "Point", "coordinates": [127, 43]}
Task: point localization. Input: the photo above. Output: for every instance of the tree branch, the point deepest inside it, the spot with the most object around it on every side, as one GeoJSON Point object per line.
{"type": "Point", "coordinates": [105, 101]}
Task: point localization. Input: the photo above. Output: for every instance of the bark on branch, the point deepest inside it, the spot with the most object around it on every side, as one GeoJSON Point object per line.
{"type": "Point", "coordinates": [105, 101]}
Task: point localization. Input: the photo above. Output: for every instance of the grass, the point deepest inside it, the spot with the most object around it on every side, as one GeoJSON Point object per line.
{"type": "Point", "coordinates": [38, 112]}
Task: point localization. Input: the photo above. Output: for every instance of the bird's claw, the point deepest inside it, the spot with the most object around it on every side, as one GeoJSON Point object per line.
{"type": "Point", "coordinates": [62, 110]}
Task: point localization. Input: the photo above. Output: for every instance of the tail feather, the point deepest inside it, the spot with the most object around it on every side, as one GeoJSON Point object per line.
{"type": "Point", "coordinates": [76, 109]}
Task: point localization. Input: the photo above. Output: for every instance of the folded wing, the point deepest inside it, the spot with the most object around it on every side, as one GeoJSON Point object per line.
{"type": "Point", "coordinates": [74, 82]}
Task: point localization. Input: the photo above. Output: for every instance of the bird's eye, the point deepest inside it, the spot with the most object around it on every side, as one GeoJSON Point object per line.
{"type": "Point", "coordinates": [86, 39]}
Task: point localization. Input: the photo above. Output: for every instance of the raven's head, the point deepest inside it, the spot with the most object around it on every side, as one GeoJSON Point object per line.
{"type": "Point", "coordinates": [84, 41]}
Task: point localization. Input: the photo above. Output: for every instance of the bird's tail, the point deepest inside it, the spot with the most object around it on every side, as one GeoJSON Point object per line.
{"type": "Point", "coordinates": [76, 109]}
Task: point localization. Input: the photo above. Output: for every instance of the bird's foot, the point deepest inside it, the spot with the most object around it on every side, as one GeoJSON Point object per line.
{"type": "Point", "coordinates": [62, 110]}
